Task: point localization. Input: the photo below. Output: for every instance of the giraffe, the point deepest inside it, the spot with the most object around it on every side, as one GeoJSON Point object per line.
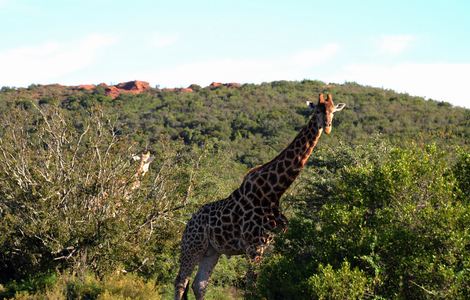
{"type": "Point", "coordinates": [125, 186]}
{"type": "Point", "coordinates": [245, 222]}
{"type": "Point", "coordinates": [145, 160]}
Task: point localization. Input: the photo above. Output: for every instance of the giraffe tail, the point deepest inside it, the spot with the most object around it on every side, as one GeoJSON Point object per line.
{"type": "Point", "coordinates": [185, 294]}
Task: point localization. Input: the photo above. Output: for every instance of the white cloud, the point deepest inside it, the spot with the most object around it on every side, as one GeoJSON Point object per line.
{"type": "Point", "coordinates": [394, 44]}
{"type": "Point", "coordinates": [290, 67]}
{"type": "Point", "coordinates": [439, 81]}
{"type": "Point", "coordinates": [159, 40]}
{"type": "Point", "coordinates": [51, 60]}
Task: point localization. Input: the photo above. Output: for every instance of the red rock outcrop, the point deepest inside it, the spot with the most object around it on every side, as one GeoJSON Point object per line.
{"type": "Point", "coordinates": [133, 86]}
{"type": "Point", "coordinates": [186, 90]}
{"type": "Point", "coordinates": [87, 87]}
{"type": "Point", "coordinates": [130, 87]}
{"type": "Point", "coordinates": [112, 91]}
{"type": "Point", "coordinates": [137, 87]}
{"type": "Point", "coordinates": [215, 85]}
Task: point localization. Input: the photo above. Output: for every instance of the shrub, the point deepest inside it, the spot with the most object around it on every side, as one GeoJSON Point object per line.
{"type": "Point", "coordinates": [87, 286]}
{"type": "Point", "coordinates": [343, 283]}
{"type": "Point", "coordinates": [69, 197]}
{"type": "Point", "coordinates": [461, 172]}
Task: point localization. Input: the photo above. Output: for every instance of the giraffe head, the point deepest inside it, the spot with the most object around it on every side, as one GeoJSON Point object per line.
{"type": "Point", "coordinates": [145, 160]}
{"type": "Point", "coordinates": [325, 110]}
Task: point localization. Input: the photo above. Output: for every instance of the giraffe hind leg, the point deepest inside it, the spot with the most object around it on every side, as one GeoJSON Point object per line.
{"type": "Point", "coordinates": [187, 264]}
{"type": "Point", "coordinates": [206, 266]}
{"type": "Point", "coordinates": [186, 290]}
{"type": "Point", "coordinates": [194, 245]}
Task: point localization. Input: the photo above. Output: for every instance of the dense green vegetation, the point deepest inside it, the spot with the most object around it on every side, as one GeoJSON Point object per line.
{"type": "Point", "coordinates": [381, 211]}
{"type": "Point", "coordinates": [256, 121]}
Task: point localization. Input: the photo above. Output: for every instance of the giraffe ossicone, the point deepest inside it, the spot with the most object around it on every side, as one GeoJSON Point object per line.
{"type": "Point", "coordinates": [245, 221]}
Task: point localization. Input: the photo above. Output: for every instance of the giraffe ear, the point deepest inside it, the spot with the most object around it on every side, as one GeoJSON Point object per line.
{"type": "Point", "coordinates": [339, 106]}
{"type": "Point", "coordinates": [321, 99]}
{"type": "Point", "coordinates": [310, 104]}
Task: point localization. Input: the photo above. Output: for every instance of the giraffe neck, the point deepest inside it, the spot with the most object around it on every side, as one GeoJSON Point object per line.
{"type": "Point", "coordinates": [281, 172]}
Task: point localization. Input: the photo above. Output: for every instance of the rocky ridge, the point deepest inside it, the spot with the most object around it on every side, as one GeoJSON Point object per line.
{"type": "Point", "coordinates": [137, 87]}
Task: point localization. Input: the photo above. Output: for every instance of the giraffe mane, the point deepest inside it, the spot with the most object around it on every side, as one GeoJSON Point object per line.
{"type": "Point", "coordinates": [252, 170]}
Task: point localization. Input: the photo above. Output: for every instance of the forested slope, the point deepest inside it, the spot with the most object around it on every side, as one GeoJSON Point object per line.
{"type": "Point", "coordinates": [259, 119]}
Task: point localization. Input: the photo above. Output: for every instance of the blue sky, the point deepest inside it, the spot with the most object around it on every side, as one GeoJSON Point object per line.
{"type": "Point", "coordinates": [418, 47]}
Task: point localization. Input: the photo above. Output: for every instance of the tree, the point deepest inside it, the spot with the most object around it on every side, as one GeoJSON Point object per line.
{"type": "Point", "coordinates": [68, 197]}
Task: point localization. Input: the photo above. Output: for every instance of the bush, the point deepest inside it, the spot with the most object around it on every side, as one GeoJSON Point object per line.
{"type": "Point", "coordinates": [87, 286]}
{"type": "Point", "coordinates": [461, 171]}
{"type": "Point", "coordinates": [343, 283]}
{"type": "Point", "coordinates": [69, 197]}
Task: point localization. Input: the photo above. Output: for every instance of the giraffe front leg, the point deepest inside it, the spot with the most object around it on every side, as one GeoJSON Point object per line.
{"type": "Point", "coordinates": [256, 249]}
{"type": "Point", "coordinates": [275, 222]}
{"type": "Point", "coordinates": [269, 222]}
{"type": "Point", "coordinates": [255, 254]}
{"type": "Point", "coordinates": [282, 222]}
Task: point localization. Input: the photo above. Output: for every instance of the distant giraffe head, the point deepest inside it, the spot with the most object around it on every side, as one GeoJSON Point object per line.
{"type": "Point", "coordinates": [324, 110]}
{"type": "Point", "coordinates": [145, 160]}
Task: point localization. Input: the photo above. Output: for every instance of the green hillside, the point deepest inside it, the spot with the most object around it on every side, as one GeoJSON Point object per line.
{"type": "Point", "coordinates": [256, 121]}
{"type": "Point", "coordinates": [381, 210]}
